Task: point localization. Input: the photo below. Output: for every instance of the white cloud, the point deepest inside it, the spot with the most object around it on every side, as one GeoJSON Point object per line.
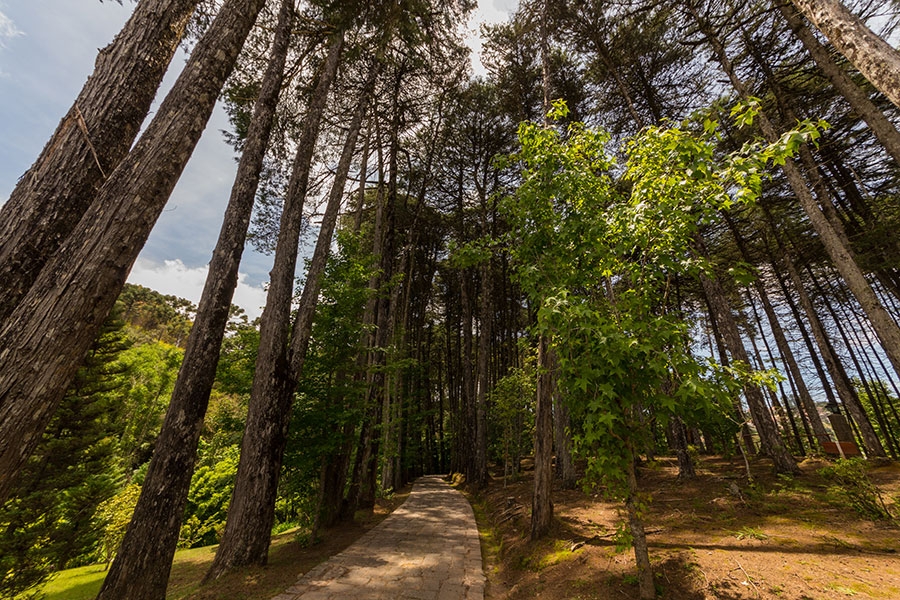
{"type": "Point", "coordinates": [487, 13]}
{"type": "Point", "coordinates": [8, 29]}
{"type": "Point", "coordinates": [175, 278]}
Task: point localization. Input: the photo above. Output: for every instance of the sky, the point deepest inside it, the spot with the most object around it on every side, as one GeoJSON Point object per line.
{"type": "Point", "coordinates": [47, 51]}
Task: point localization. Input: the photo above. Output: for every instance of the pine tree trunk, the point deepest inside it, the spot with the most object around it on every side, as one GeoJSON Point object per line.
{"type": "Point", "coordinates": [872, 56]}
{"type": "Point", "coordinates": [302, 329]}
{"type": "Point", "coordinates": [883, 129]}
{"type": "Point", "coordinates": [849, 347]}
{"type": "Point", "coordinates": [88, 144]}
{"type": "Point", "coordinates": [806, 401]}
{"type": "Point", "coordinates": [835, 369]}
{"type": "Point", "coordinates": [250, 515]}
{"type": "Point", "coordinates": [389, 306]}
{"type": "Point", "coordinates": [334, 473]}
{"type": "Point", "coordinates": [332, 481]}
{"type": "Point", "coordinates": [146, 552]}
{"type": "Point", "coordinates": [541, 502]}
{"type": "Point", "coordinates": [739, 416]}
{"type": "Point", "coordinates": [486, 317]}
{"type": "Point", "coordinates": [362, 484]}
{"type": "Point", "coordinates": [787, 406]}
{"type": "Point", "coordinates": [468, 396]}
{"type": "Point", "coordinates": [678, 442]}
{"type": "Point", "coordinates": [765, 425]}
{"type": "Point", "coordinates": [787, 355]}
{"type": "Point", "coordinates": [830, 232]}
{"type": "Point", "coordinates": [52, 328]}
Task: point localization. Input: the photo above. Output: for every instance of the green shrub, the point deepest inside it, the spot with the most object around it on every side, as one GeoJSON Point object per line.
{"type": "Point", "coordinates": [852, 487]}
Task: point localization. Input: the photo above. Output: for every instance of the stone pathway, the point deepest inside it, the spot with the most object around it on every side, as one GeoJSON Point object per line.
{"type": "Point", "coordinates": [427, 549]}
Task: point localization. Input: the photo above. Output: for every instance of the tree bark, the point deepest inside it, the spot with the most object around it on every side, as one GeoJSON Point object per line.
{"type": "Point", "coordinates": [362, 486]}
{"type": "Point", "coordinates": [639, 537]}
{"type": "Point", "coordinates": [88, 144]}
{"type": "Point", "coordinates": [545, 61]}
{"type": "Point", "coordinates": [334, 471]}
{"type": "Point", "coordinates": [541, 502]}
{"type": "Point", "coordinates": [677, 434]}
{"type": "Point", "coordinates": [786, 409]}
{"type": "Point", "coordinates": [872, 56]}
{"type": "Point", "coordinates": [769, 439]}
{"type": "Point", "coordinates": [830, 233]}
{"type": "Point", "coordinates": [838, 376]}
{"type": "Point", "coordinates": [145, 555]}
{"type": "Point", "coordinates": [806, 401]}
{"type": "Point", "coordinates": [883, 129]}
{"type": "Point", "coordinates": [248, 526]}
{"type": "Point", "coordinates": [746, 434]}
{"type": "Point", "coordinates": [486, 317]}
{"type": "Point", "coordinates": [565, 465]}
{"type": "Point", "coordinates": [54, 324]}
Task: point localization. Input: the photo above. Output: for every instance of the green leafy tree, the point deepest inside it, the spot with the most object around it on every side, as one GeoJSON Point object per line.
{"type": "Point", "coordinates": [207, 505]}
{"type": "Point", "coordinates": [146, 387]}
{"type": "Point", "coordinates": [157, 316]}
{"type": "Point", "coordinates": [512, 416]}
{"type": "Point", "coordinates": [329, 405]}
{"type": "Point", "coordinates": [116, 514]}
{"type": "Point", "coordinates": [597, 257]}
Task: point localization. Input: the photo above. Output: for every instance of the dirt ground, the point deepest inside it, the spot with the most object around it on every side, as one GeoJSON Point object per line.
{"type": "Point", "coordinates": [712, 537]}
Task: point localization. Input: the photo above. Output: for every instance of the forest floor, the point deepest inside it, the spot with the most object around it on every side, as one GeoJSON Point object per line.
{"type": "Point", "coordinates": [289, 557]}
{"type": "Point", "coordinates": [711, 537]}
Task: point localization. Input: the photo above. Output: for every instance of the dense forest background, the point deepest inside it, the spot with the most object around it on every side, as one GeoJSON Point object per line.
{"type": "Point", "coordinates": [653, 227]}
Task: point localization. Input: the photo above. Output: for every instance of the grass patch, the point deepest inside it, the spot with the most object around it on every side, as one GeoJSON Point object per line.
{"type": "Point", "coordinates": [750, 533]}
{"type": "Point", "coordinates": [491, 540]}
{"type": "Point", "coordinates": [81, 583]}
{"type": "Point", "coordinates": [287, 560]}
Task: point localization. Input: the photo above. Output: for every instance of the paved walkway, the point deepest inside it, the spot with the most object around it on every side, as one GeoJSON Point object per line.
{"type": "Point", "coordinates": [428, 549]}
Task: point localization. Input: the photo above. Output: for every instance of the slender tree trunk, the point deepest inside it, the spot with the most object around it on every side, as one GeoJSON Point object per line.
{"type": "Point", "coordinates": [468, 397]}
{"type": "Point", "coordinates": [787, 406]}
{"type": "Point", "coordinates": [565, 465]}
{"type": "Point", "coordinates": [784, 348]}
{"type": "Point", "coordinates": [306, 310]}
{"type": "Point", "coordinates": [775, 409]}
{"type": "Point", "coordinates": [830, 233]}
{"type": "Point", "coordinates": [357, 494]}
{"type": "Point", "coordinates": [388, 310]}
{"type": "Point", "coordinates": [541, 502]}
{"type": "Point", "coordinates": [486, 318]}
{"type": "Point", "coordinates": [88, 144]}
{"type": "Point", "coordinates": [332, 481]}
{"type": "Point", "coordinates": [787, 355]}
{"type": "Point", "coordinates": [768, 435]}
{"type": "Point", "coordinates": [872, 56]}
{"type": "Point", "coordinates": [746, 434]}
{"type": "Point", "coordinates": [146, 552]}
{"type": "Point", "coordinates": [545, 60]}
{"type": "Point", "coordinates": [679, 443]}
{"type": "Point", "coordinates": [54, 324]}
{"type": "Point", "coordinates": [849, 347]}
{"type": "Point", "coordinates": [835, 369]}
{"type": "Point", "coordinates": [883, 129]}
{"type": "Point", "coordinates": [249, 523]}
{"type": "Point", "coordinates": [639, 537]}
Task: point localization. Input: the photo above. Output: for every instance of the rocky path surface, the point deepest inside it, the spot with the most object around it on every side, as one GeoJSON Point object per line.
{"type": "Point", "coordinates": [428, 549]}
